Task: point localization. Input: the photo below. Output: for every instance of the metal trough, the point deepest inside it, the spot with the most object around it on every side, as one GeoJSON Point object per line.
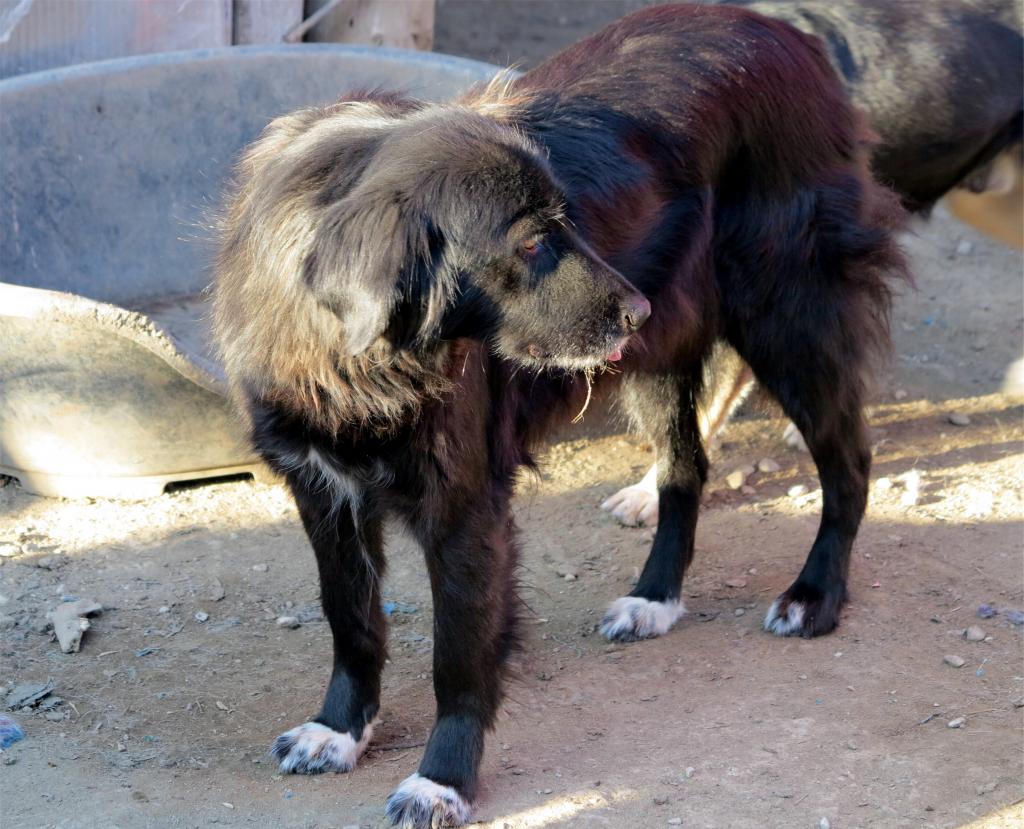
{"type": "Point", "coordinates": [109, 173]}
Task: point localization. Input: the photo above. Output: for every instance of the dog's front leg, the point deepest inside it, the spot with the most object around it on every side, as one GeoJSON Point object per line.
{"type": "Point", "coordinates": [471, 561]}
{"type": "Point", "coordinates": [346, 538]}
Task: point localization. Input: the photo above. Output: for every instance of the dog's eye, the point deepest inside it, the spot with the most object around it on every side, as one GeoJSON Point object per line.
{"type": "Point", "coordinates": [531, 247]}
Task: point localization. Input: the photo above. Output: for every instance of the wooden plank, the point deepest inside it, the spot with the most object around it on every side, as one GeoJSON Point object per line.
{"type": "Point", "coordinates": [406, 24]}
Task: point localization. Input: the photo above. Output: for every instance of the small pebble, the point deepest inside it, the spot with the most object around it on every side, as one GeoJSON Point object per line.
{"type": "Point", "coordinates": [290, 622]}
{"type": "Point", "coordinates": [953, 660]}
{"type": "Point", "coordinates": [201, 616]}
{"type": "Point", "coordinates": [1018, 703]}
{"type": "Point", "coordinates": [797, 491]}
{"type": "Point", "coordinates": [883, 484]}
{"type": "Point", "coordinates": [736, 583]}
{"type": "Point", "coordinates": [900, 394]}
{"type": "Point", "coordinates": [768, 465]}
{"type": "Point", "coordinates": [959, 419]}
{"type": "Point", "coordinates": [736, 478]}
{"type": "Point", "coordinates": [739, 611]}
{"type": "Point", "coordinates": [957, 723]}
{"type": "Point", "coordinates": [850, 744]}
{"type": "Point", "coordinates": [964, 248]}
{"type": "Point", "coordinates": [675, 821]}
{"type": "Point", "coordinates": [746, 489]}
{"type": "Point", "coordinates": [164, 609]}
{"type": "Point", "coordinates": [986, 611]}
{"type": "Point", "coordinates": [570, 577]}
{"type": "Point", "coordinates": [660, 800]}
{"type": "Point", "coordinates": [261, 568]}
{"type": "Point", "coordinates": [987, 787]}
{"type": "Point", "coordinates": [690, 771]}
{"type": "Point", "coordinates": [824, 824]}
{"type": "Point", "coordinates": [1014, 617]}
{"type": "Point", "coordinates": [974, 634]}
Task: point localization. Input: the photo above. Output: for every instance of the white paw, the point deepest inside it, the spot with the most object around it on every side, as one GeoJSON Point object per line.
{"type": "Point", "coordinates": [785, 624]}
{"type": "Point", "coordinates": [636, 505]}
{"type": "Point", "coordinates": [794, 440]}
{"type": "Point", "coordinates": [420, 803]}
{"type": "Point", "coordinates": [312, 748]}
{"type": "Point", "coordinates": [631, 618]}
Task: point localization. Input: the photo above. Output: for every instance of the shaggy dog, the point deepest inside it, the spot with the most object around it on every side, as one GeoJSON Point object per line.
{"type": "Point", "coordinates": [941, 83]}
{"type": "Point", "coordinates": [410, 295]}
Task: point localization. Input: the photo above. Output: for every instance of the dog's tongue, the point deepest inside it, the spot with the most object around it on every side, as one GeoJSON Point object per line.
{"type": "Point", "coordinates": [615, 356]}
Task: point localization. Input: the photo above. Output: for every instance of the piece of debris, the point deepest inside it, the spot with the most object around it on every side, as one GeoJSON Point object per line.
{"type": "Point", "coordinates": [737, 583]}
{"type": "Point", "coordinates": [987, 788]}
{"type": "Point", "coordinates": [747, 489]}
{"type": "Point", "coordinates": [957, 723]}
{"type": "Point", "coordinates": [739, 611]}
{"type": "Point", "coordinates": [675, 821]}
{"type": "Point", "coordinates": [70, 622]}
{"type": "Point", "coordinates": [392, 607]}
{"type": "Point", "coordinates": [958, 419]}
{"type": "Point", "coordinates": [660, 800]}
{"type": "Point", "coordinates": [290, 622]}
{"type": "Point", "coordinates": [953, 660]}
{"type": "Point", "coordinates": [768, 465]}
{"type": "Point", "coordinates": [974, 634]}
{"type": "Point", "coordinates": [201, 616]}
{"type": "Point", "coordinates": [50, 562]}
{"type": "Point", "coordinates": [986, 611]}
{"type": "Point", "coordinates": [28, 694]}
{"type": "Point", "coordinates": [900, 394]}
{"type": "Point", "coordinates": [146, 651]}
{"type": "Point", "coordinates": [797, 491]}
{"type": "Point", "coordinates": [1014, 617]}
{"type": "Point", "coordinates": [10, 732]}
{"type": "Point", "coordinates": [964, 248]}
{"type": "Point", "coordinates": [261, 568]}
{"type": "Point", "coordinates": [824, 824]}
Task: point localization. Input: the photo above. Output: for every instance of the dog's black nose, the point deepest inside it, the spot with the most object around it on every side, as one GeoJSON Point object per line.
{"type": "Point", "coordinates": [635, 313]}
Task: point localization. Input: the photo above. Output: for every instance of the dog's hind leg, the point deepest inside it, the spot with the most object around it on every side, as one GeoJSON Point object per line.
{"type": "Point", "coordinates": [471, 557]}
{"type": "Point", "coordinates": [347, 542]}
{"type": "Point", "coordinates": [728, 381]}
{"type": "Point", "coordinates": [665, 407]}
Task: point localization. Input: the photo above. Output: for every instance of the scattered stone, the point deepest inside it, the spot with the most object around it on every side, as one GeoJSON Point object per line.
{"type": "Point", "coordinates": [912, 491]}
{"type": "Point", "coordinates": [953, 660]}
{"type": "Point", "coordinates": [793, 439]}
{"type": "Point", "coordinates": [675, 821]}
{"type": "Point", "coordinates": [768, 465]}
{"type": "Point", "coordinates": [163, 609]}
{"type": "Point", "coordinates": [570, 577]}
{"type": "Point", "coordinates": [747, 489]}
{"type": "Point", "coordinates": [850, 744]}
{"type": "Point", "coordinates": [824, 824]}
{"type": "Point", "coordinates": [216, 591]}
{"type": "Point", "coordinates": [392, 607]}
{"type": "Point", "coordinates": [1014, 617]}
{"type": "Point", "coordinates": [737, 583]}
{"type": "Point", "coordinates": [739, 611]}
{"type": "Point", "coordinates": [690, 771]}
{"type": "Point", "coordinates": [964, 248]}
{"type": "Point", "coordinates": [7, 622]}
{"type": "Point", "coordinates": [736, 478]}
{"type": "Point", "coordinates": [986, 611]}
{"type": "Point", "coordinates": [260, 568]}
{"type": "Point", "coordinates": [987, 788]}
{"type": "Point", "coordinates": [9, 550]}
{"type": "Point", "coordinates": [27, 694]}
{"type": "Point", "coordinates": [1018, 703]}
{"type": "Point", "coordinates": [797, 491]}
{"type": "Point", "coordinates": [660, 800]}
{"type": "Point", "coordinates": [50, 562]}
{"type": "Point", "coordinates": [900, 394]}
{"type": "Point", "coordinates": [974, 634]}
{"type": "Point", "coordinates": [958, 419]}
{"type": "Point", "coordinates": [70, 621]}
{"type": "Point", "coordinates": [290, 622]}
{"type": "Point", "coordinates": [201, 616]}
{"type": "Point", "coordinates": [883, 484]}
{"type": "Point", "coordinates": [957, 723]}
{"type": "Point", "coordinates": [54, 716]}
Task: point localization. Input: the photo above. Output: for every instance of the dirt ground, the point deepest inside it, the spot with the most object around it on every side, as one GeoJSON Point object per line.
{"type": "Point", "coordinates": [166, 720]}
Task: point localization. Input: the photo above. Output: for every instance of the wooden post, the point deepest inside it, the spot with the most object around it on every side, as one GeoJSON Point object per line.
{"type": "Point", "coordinates": [407, 24]}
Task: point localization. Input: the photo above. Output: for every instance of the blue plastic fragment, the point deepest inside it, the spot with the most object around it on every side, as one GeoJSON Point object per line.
{"type": "Point", "coordinates": [10, 732]}
{"type": "Point", "coordinates": [1014, 617]}
{"type": "Point", "coordinates": [390, 608]}
{"type": "Point", "coordinates": [986, 611]}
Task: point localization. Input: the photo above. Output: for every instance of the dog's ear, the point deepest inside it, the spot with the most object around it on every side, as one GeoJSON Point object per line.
{"type": "Point", "coordinates": [379, 265]}
{"type": "Point", "coordinates": [353, 267]}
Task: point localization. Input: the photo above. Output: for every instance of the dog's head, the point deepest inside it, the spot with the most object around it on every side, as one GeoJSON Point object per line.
{"type": "Point", "coordinates": [444, 223]}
